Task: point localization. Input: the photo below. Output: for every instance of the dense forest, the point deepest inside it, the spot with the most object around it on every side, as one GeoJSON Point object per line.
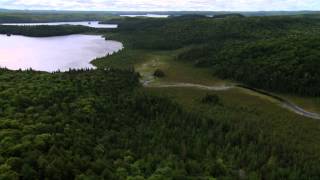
{"type": "Point", "coordinates": [45, 31]}
{"type": "Point", "coordinates": [101, 124]}
{"type": "Point", "coordinates": [50, 16]}
{"type": "Point", "coordinates": [98, 124]}
{"type": "Point", "coordinates": [273, 53]}
{"type": "Point", "coordinates": [42, 16]}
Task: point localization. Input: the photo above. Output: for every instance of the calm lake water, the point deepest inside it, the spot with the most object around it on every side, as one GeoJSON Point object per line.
{"type": "Point", "coordinates": [94, 24]}
{"type": "Point", "coordinates": [53, 53]}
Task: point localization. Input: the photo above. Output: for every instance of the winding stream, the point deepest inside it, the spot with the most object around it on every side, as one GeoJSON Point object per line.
{"type": "Point", "coordinates": [283, 102]}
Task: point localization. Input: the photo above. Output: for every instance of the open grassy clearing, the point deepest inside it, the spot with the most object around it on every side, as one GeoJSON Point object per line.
{"type": "Point", "coordinates": [241, 106]}
{"type": "Point", "coordinates": [146, 62]}
{"type": "Point", "coordinates": [234, 99]}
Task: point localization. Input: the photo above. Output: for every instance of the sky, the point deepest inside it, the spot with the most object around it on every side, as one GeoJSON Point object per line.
{"type": "Point", "coordinates": [163, 5]}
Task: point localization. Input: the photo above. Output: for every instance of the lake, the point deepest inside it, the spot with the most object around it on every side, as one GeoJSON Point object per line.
{"type": "Point", "coordinates": [53, 53]}
{"type": "Point", "coordinates": [94, 24]}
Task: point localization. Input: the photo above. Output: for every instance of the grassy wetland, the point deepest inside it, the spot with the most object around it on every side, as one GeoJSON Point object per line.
{"type": "Point", "coordinates": [169, 105]}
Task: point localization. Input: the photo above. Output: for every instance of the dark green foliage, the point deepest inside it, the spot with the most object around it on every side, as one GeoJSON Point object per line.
{"type": "Point", "coordinates": [45, 31]}
{"type": "Point", "coordinates": [177, 32]}
{"type": "Point", "coordinates": [273, 53]}
{"type": "Point", "coordinates": [289, 64]}
{"type": "Point", "coordinates": [50, 16]}
{"type": "Point", "coordinates": [158, 73]}
{"type": "Point", "coordinates": [228, 15]}
{"type": "Point", "coordinates": [211, 99]}
{"type": "Point", "coordinates": [189, 16]}
{"type": "Point", "coordinates": [96, 124]}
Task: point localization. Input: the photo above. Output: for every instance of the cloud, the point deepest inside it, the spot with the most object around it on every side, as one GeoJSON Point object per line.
{"type": "Point", "coordinates": [154, 5]}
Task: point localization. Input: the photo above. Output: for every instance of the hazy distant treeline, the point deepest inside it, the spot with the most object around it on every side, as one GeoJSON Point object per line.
{"type": "Point", "coordinates": [46, 31]}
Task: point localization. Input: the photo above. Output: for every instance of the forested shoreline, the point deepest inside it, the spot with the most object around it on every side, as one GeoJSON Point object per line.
{"type": "Point", "coordinates": [101, 124]}
{"type": "Point", "coordinates": [50, 16]}
{"type": "Point", "coordinates": [48, 31]}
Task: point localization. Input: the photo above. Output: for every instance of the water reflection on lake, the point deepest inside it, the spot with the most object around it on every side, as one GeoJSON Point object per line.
{"type": "Point", "coordinates": [94, 24]}
{"type": "Point", "coordinates": [53, 53]}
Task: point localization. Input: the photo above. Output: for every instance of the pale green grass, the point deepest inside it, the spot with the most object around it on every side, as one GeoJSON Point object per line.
{"type": "Point", "coordinates": [240, 107]}
{"type": "Point", "coordinates": [311, 104]}
{"type": "Point", "coordinates": [176, 71]}
{"type": "Point", "coordinates": [236, 103]}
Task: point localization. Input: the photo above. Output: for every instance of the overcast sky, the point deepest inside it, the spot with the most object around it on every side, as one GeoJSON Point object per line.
{"type": "Point", "coordinates": [163, 5]}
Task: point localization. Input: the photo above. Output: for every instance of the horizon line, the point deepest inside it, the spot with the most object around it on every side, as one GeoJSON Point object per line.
{"type": "Point", "coordinates": [9, 9]}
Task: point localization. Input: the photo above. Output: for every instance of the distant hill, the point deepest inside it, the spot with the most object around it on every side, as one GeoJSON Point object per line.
{"type": "Point", "coordinates": [172, 13]}
{"type": "Point", "coordinates": [3, 10]}
{"type": "Point", "coordinates": [188, 16]}
{"type": "Point", "coordinates": [228, 15]}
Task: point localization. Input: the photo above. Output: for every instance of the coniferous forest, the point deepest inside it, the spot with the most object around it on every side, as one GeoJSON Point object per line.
{"type": "Point", "coordinates": [47, 31]}
{"type": "Point", "coordinates": [263, 52]}
{"type": "Point", "coordinates": [97, 124]}
{"type": "Point", "coordinates": [103, 124]}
